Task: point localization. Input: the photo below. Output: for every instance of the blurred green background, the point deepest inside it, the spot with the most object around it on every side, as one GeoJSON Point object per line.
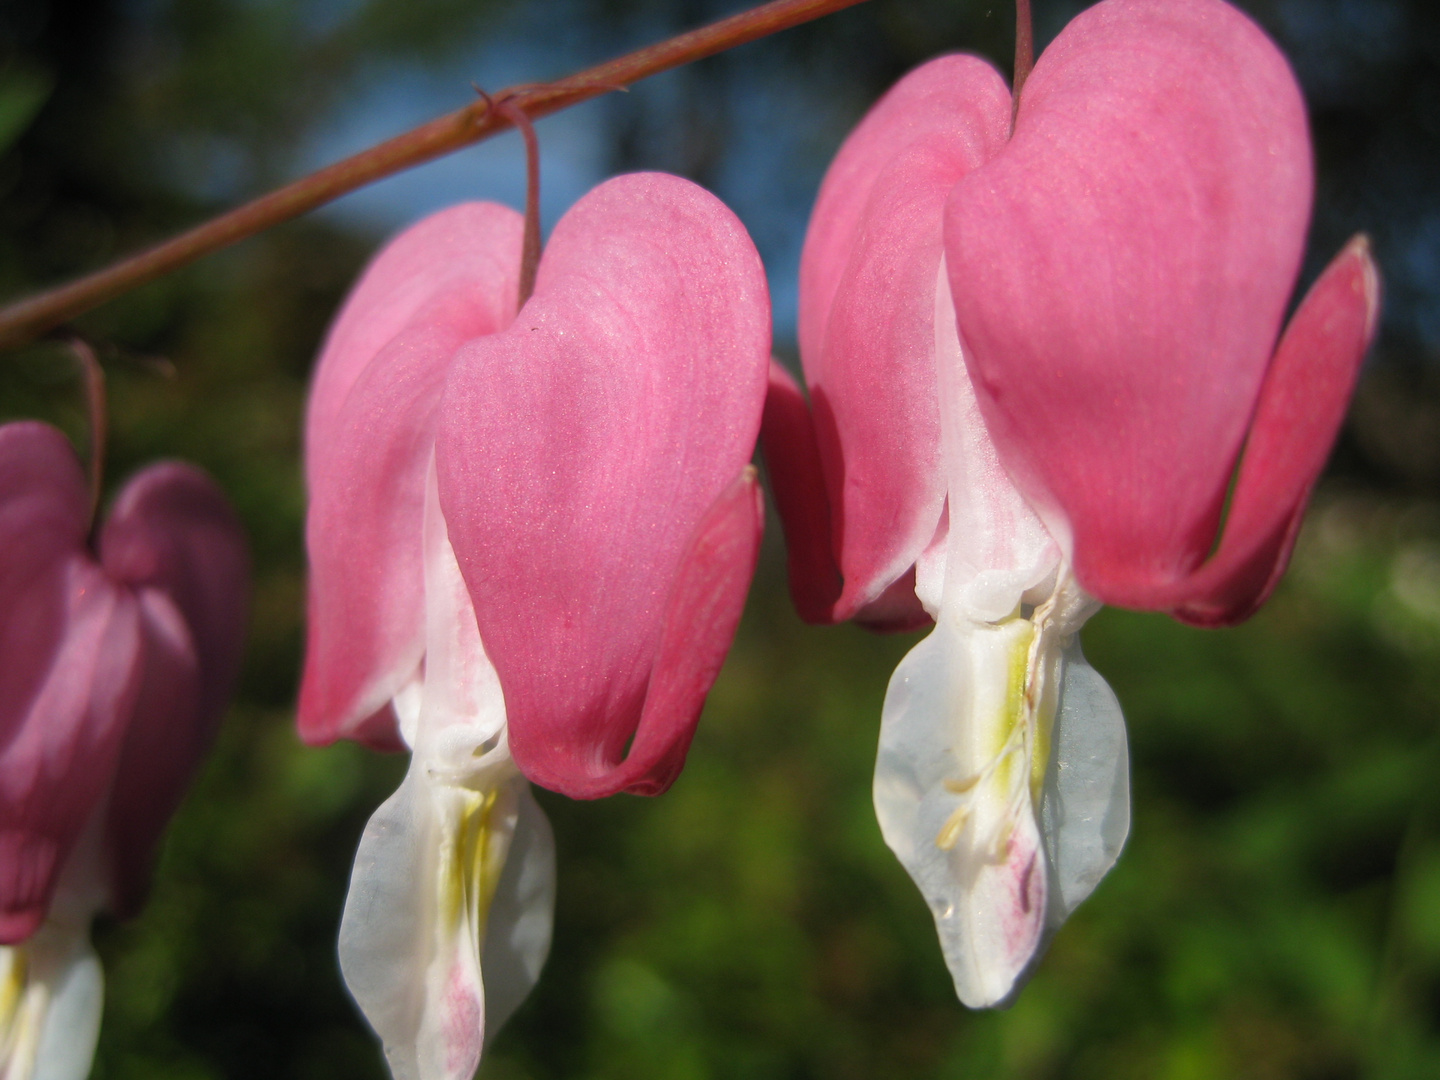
{"type": "Point", "coordinates": [1277, 910]}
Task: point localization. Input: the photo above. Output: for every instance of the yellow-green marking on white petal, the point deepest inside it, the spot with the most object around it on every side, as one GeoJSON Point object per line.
{"type": "Point", "coordinates": [448, 918]}
{"type": "Point", "coordinates": [1000, 784]}
{"type": "Point", "coordinates": [22, 1011]}
{"type": "Point", "coordinates": [1001, 779]}
{"type": "Point", "coordinates": [471, 858]}
{"type": "Point", "coordinates": [51, 993]}
{"type": "Point", "coordinates": [1006, 736]}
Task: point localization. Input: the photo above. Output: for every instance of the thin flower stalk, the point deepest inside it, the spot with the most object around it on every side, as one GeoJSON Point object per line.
{"type": "Point", "coordinates": [25, 320]}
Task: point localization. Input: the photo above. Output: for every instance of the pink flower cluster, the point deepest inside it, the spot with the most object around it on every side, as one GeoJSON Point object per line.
{"type": "Point", "coordinates": [1048, 367]}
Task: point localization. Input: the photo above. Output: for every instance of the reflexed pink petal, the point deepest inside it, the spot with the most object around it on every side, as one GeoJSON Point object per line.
{"type": "Point", "coordinates": [1120, 272]}
{"type": "Point", "coordinates": [62, 744]}
{"type": "Point", "coordinates": [68, 645]}
{"type": "Point", "coordinates": [473, 245]}
{"type": "Point", "coordinates": [701, 615]}
{"type": "Point", "coordinates": [174, 539]}
{"type": "Point", "coordinates": [798, 485]}
{"type": "Point", "coordinates": [1301, 407]}
{"type": "Point", "coordinates": [367, 457]}
{"type": "Point", "coordinates": [579, 449]}
{"type": "Point", "coordinates": [867, 286]}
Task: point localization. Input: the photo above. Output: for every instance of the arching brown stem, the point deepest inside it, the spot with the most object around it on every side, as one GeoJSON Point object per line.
{"type": "Point", "coordinates": [27, 319]}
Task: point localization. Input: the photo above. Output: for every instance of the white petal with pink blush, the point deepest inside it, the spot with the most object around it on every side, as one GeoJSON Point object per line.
{"type": "Point", "coordinates": [448, 919]}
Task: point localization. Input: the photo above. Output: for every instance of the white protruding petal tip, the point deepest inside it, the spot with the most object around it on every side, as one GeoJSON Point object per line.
{"type": "Point", "coordinates": [954, 806]}
{"type": "Point", "coordinates": [1085, 810]}
{"type": "Point", "coordinates": [444, 875]}
{"type": "Point", "coordinates": [517, 935]}
{"type": "Point", "coordinates": [1002, 784]}
{"type": "Point", "coordinates": [52, 992]}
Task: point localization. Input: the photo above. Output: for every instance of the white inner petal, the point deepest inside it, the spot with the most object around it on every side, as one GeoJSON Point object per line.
{"type": "Point", "coordinates": [462, 708]}
{"type": "Point", "coordinates": [997, 548]}
{"type": "Point", "coordinates": [459, 862]}
{"type": "Point", "coordinates": [965, 775]}
{"type": "Point", "coordinates": [51, 996]}
{"type": "Point", "coordinates": [1085, 808]}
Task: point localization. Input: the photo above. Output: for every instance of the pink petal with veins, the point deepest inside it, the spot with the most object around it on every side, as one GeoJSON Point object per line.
{"type": "Point", "coordinates": [1120, 273]}
{"type": "Point", "coordinates": [579, 450]}
{"type": "Point", "coordinates": [867, 288]}
{"type": "Point", "coordinates": [474, 246]}
{"type": "Point", "coordinates": [369, 438]}
{"type": "Point", "coordinates": [701, 615]}
{"type": "Point", "coordinates": [1301, 407]}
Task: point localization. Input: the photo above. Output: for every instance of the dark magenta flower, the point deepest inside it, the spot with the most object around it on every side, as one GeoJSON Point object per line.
{"type": "Point", "coordinates": [116, 663]}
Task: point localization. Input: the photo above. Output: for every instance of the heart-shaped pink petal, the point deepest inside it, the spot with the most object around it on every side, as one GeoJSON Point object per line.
{"type": "Point", "coordinates": [1120, 272]}
{"type": "Point", "coordinates": [69, 670]}
{"type": "Point", "coordinates": [174, 540]}
{"type": "Point", "coordinates": [579, 450]}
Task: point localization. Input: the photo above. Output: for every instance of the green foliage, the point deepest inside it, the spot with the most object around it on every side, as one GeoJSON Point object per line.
{"type": "Point", "coordinates": [23, 89]}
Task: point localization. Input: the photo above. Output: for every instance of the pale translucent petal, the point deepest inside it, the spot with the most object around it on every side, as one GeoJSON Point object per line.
{"type": "Point", "coordinates": [981, 722]}
{"type": "Point", "coordinates": [428, 866]}
{"type": "Point", "coordinates": [462, 708]}
{"type": "Point", "coordinates": [72, 1023]}
{"type": "Point", "coordinates": [517, 935]}
{"type": "Point", "coordinates": [930, 567]}
{"type": "Point", "coordinates": [383, 930]}
{"type": "Point", "coordinates": [433, 864]}
{"type": "Point", "coordinates": [941, 727]}
{"type": "Point", "coordinates": [1085, 808]}
{"type": "Point", "coordinates": [51, 996]}
{"type": "Point", "coordinates": [474, 832]}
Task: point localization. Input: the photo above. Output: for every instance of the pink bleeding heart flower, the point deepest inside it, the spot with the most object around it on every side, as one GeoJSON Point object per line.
{"type": "Point", "coordinates": [115, 667]}
{"type": "Point", "coordinates": [531, 536]}
{"type": "Point", "coordinates": [1034, 360]}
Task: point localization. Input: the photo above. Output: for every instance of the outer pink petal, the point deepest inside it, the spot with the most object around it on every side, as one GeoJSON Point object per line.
{"type": "Point", "coordinates": [1121, 270]}
{"type": "Point", "coordinates": [701, 615]}
{"type": "Point", "coordinates": [867, 315]}
{"type": "Point", "coordinates": [367, 458]}
{"type": "Point", "coordinates": [947, 101]}
{"type": "Point", "coordinates": [173, 538]}
{"type": "Point", "coordinates": [1302, 405]}
{"type": "Point", "coordinates": [69, 645]}
{"type": "Point", "coordinates": [792, 461]}
{"type": "Point", "coordinates": [44, 515]}
{"type": "Point", "coordinates": [472, 245]}
{"type": "Point", "coordinates": [579, 449]}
